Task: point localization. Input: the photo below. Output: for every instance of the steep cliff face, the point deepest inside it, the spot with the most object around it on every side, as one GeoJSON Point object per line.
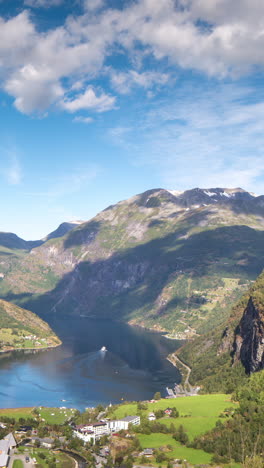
{"type": "Point", "coordinates": [221, 358]}
{"type": "Point", "coordinates": [249, 338]}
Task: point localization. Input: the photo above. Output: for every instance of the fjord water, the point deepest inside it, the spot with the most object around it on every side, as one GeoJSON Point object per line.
{"type": "Point", "coordinates": [79, 374]}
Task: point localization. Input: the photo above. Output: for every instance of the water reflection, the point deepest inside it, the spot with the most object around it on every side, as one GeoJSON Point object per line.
{"type": "Point", "coordinates": [133, 367]}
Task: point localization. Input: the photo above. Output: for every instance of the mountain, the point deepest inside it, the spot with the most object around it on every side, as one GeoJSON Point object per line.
{"type": "Point", "coordinates": [13, 248]}
{"type": "Point", "coordinates": [169, 260]}
{"type": "Point", "coordinates": [62, 230]}
{"type": "Point", "coordinates": [11, 241]}
{"type": "Point", "coordinates": [20, 328]}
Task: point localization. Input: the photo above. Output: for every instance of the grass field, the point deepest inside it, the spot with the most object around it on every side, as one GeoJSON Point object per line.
{"type": "Point", "coordinates": [18, 464]}
{"type": "Point", "coordinates": [178, 451]}
{"type": "Point", "coordinates": [45, 456]}
{"type": "Point", "coordinates": [17, 413]}
{"type": "Point", "coordinates": [55, 415]}
{"type": "Point", "coordinates": [50, 415]}
{"type": "Point", "coordinates": [62, 460]}
{"type": "Point", "coordinates": [198, 414]}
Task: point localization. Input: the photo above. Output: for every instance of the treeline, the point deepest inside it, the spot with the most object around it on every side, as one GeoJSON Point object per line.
{"type": "Point", "coordinates": [241, 438]}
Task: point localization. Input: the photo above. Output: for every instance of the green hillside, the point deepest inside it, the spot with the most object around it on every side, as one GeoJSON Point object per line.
{"type": "Point", "coordinates": [20, 328]}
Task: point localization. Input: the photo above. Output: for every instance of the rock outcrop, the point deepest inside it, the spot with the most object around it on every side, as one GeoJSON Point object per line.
{"type": "Point", "coordinates": [249, 338]}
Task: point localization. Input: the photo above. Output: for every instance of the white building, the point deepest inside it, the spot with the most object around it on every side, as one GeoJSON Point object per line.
{"type": "Point", "coordinates": [85, 435]}
{"type": "Point", "coordinates": [5, 445]}
{"type": "Point", "coordinates": [93, 431]}
{"type": "Point", "coordinates": [151, 417]}
{"type": "Point", "coordinates": [119, 424]}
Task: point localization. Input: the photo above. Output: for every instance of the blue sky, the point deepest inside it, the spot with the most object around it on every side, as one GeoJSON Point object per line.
{"type": "Point", "coordinates": [98, 103]}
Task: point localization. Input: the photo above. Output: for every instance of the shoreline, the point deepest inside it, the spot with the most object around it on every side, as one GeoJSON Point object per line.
{"type": "Point", "coordinates": [45, 348]}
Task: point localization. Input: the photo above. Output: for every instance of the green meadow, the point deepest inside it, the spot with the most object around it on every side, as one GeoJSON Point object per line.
{"type": "Point", "coordinates": [179, 451]}
{"type": "Point", "coordinates": [55, 415]}
{"type": "Point", "coordinates": [198, 414]}
{"type": "Point", "coordinates": [49, 415]}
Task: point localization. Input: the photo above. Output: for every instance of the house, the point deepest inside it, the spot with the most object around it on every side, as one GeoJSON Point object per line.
{"type": "Point", "coordinates": [6, 444]}
{"type": "Point", "coordinates": [151, 417]}
{"type": "Point", "coordinates": [24, 429]}
{"type": "Point", "coordinates": [46, 442]}
{"type": "Point", "coordinates": [168, 411]}
{"type": "Point", "coordinates": [148, 452]}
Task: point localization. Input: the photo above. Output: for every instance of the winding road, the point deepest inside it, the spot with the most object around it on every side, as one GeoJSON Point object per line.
{"type": "Point", "coordinates": [174, 360]}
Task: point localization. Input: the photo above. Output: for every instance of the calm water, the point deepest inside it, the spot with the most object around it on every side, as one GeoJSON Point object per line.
{"type": "Point", "coordinates": [133, 367]}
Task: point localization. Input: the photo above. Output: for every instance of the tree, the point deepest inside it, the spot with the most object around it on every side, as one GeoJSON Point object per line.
{"type": "Point", "coordinates": [160, 457]}
{"type": "Point", "coordinates": [159, 413]}
{"type": "Point", "coordinates": [174, 413]}
{"type": "Point", "coordinates": [255, 462]}
{"type": "Point", "coordinates": [141, 406]}
{"type": "Point", "coordinates": [157, 396]}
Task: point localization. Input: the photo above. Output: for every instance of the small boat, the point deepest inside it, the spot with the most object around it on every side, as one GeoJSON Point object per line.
{"type": "Point", "coordinates": [103, 348]}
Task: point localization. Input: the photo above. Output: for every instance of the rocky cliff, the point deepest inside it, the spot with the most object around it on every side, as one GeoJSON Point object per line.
{"type": "Point", "coordinates": [221, 359]}
{"type": "Point", "coordinates": [249, 338]}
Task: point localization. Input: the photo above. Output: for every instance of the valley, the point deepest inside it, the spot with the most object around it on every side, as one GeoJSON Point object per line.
{"type": "Point", "coordinates": [165, 260]}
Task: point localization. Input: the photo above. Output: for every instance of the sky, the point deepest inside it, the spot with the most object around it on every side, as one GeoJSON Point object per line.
{"type": "Point", "coordinates": [100, 100]}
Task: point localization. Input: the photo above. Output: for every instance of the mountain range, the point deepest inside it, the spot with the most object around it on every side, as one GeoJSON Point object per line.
{"type": "Point", "coordinates": [167, 260]}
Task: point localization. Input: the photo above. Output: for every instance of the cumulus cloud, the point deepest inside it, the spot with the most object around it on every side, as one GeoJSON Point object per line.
{"type": "Point", "coordinates": [212, 36]}
{"type": "Point", "coordinates": [32, 90]}
{"type": "Point", "coordinates": [89, 100]}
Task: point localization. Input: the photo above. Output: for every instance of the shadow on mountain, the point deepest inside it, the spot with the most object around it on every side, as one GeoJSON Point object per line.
{"type": "Point", "coordinates": [19, 298]}
{"type": "Point", "coordinates": [83, 234]}
{"type": "Point", "coordinates": [130, 282]}
{"type": "Point", "coordinates": [7, 254]}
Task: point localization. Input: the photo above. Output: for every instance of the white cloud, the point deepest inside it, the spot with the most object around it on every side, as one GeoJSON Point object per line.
{"type": "Point", "coordinates": [33, 90]}
{"type": "Point", "coordinates": [217, 37]}
{"type": "Point", "coordinates": [123, 82]}
{"type": "Point", "coordinates": [89, 100]}
{"type": "Point", "coordinates": [86, 120]}
{"type": "Point", "coordinates": [92, 5]}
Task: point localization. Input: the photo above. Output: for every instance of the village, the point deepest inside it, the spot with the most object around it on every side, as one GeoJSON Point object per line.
{"type": "Point", "coordinates": [35, 442]}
